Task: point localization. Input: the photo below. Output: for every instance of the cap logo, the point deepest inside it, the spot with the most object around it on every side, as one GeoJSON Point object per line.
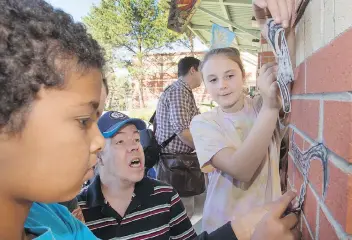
{"type": "Point", "coordinates": [117, 115]}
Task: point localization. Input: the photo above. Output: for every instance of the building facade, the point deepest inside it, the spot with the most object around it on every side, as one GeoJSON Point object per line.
{"type": "Point", "coordinates": [161, 71]}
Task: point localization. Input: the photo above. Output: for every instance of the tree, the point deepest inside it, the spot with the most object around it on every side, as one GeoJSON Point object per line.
{"type": "Point", "coordinates": [137, 26]}
{"type": "Point", "coordinates": [187, 40]}
{"type": "Point", "coordinates": [119, 90]}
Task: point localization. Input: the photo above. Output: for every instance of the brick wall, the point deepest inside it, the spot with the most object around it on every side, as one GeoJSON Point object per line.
{"type": "Point", "coordinates": [322, 113]}
{"type": "Point", "coordinates": [265, 55]}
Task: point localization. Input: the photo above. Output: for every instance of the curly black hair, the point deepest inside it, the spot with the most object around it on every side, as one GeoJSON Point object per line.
{"type": "Point", "coordinates": [33, 37]}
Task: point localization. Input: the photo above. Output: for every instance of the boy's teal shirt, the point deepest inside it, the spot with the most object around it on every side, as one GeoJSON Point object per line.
{"type": "Point", "coordinates": [55, 222]}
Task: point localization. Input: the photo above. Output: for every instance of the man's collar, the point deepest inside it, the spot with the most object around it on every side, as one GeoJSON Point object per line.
{"type": "Point", "coordinates": [185, 84]}
{"type": "Point", "coordinates": [143, 188]}
{"type": "Point", "coordinates": [95, 197]}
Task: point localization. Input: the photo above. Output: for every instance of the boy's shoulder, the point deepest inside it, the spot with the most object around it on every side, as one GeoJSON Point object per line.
{"type": "Point", "coordinates": [54, 221]}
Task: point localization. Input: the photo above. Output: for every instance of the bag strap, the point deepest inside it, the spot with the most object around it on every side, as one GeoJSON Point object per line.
{"type": "Point", "coordinates": [152, 120]}
{"type": "Point", "coordinates": [167, 141]}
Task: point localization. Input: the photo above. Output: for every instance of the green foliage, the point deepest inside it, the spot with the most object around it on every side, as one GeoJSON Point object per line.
{"type": "Point", "coordinates": [143, 113]}
{"type": "Point", "coordinates": [136, 26]}
{"type": "Point", "coordinates": [139, 26]}
{"type": "Point", "coordinates": [119, 88]}
{"type": "Point", "coordinates": [205, 107]}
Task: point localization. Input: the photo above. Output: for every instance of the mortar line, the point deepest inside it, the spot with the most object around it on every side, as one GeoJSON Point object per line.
{"type": "Point", "coordinates": [337, 96]}
{"type": "Point", "coordinates": [335, 225]}
{"type": "Point", "coordinates": [317, 222]}
{"type": "Point", "coordinates": [305, 68]}
{"type": "Point", "coordinates": [307, 226]}
{"type": "Point", "coordinates": [303, 134]}
{"type": "Point", "coordinates": [338, 161]}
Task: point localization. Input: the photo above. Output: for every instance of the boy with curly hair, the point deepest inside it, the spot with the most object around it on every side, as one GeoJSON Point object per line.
{"type": "Point", "coordinates": [50, 87]}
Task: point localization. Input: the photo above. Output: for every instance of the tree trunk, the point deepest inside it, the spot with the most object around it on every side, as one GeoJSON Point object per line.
{"type": "Point", "coordinates": [141, 75]}
{"type": "Point", "coordinates": [111, 97]}
{"type": "Point", "coordinates": [140, 92]}
{"type": "Point", "coordinates": [190, 39]}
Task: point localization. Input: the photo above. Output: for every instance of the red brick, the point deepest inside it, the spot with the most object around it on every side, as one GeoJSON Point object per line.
{"type": "Point", "coordinates": [298, 86]}
{"type": "Point", "coordinates": [298, 141]}
{"type": "Point", "coordinates": [316, 176]}
{"type": "Point", "coordinates": [326, 231]}
{"type": "Point", "coordinates": [291, 170]}
{"type": "Point", "coordinates": [305, 116]}
{"type": "Point", "coordinates": [306, 145]}
{"type": "Point", "coordinates": [330, 69]}
{"type": "Point", "coordinates": [310, 210]}
{"type": "Point", "coordinates": [262, 39]}
{"type": "Point", "coordinates": [337, 128]}
{"type": "Point", "coordinates": [267, 54]}
{"type": "Point", "coordinates": [339, 197]}
{"type": "Point", "coordinates": [349, 206]}
{"type": "Point", "coordinates": [265, 60]}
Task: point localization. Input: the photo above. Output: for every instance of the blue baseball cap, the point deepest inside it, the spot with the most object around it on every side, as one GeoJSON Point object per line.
{"type": "Point", "coordinates": [111, 122]}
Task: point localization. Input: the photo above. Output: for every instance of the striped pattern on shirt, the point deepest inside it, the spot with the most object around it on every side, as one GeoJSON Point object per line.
{"type": "Point", "coordinates": [155, 212]}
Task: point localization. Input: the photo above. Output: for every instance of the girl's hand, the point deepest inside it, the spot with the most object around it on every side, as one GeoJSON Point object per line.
{"type": "Point", "coordinates": [268, 87]}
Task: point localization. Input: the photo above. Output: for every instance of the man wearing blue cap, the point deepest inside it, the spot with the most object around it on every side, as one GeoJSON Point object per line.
{"type": "Point", "coordinates": [121, 202]}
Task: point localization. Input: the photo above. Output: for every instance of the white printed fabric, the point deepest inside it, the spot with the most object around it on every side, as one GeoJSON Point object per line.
{"type": "Point", "coordinates": [276, 38]}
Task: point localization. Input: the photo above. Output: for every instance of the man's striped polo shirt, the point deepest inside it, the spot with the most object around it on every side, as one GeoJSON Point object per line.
{"type": "Point", "coordinates": [155, 211]}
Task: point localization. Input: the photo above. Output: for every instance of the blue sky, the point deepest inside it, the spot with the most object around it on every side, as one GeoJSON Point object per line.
{"type": "Point", "coordinates": [77, 8]}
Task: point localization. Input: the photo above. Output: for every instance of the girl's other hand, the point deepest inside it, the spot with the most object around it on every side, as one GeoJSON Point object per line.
{"type": "Point", "coordinates": [268, 86]}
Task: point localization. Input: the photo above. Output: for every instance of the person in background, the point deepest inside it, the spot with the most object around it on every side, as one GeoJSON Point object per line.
{"type": "Point", "coordinates": [176, 108]}
{"type": "Point", "coordinates": [240, 149]}
{"type": "Point", "coordinates": [50, 85]}
{"type": "Point", "coordinates": [121, 202]}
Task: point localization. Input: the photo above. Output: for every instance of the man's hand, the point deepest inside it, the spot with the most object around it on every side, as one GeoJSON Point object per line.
{"type": "Point", "coordinates": [274, 225]}
{"type": "Point", "coordinates": [267, 222]}
{"type": "Point", "coordinates": [280, 10]}
{"type": "Point", "coordinates": [186, 138]}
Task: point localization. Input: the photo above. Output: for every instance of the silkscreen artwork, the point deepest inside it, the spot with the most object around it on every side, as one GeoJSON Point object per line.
{"type": "Point", "coordinates": [303, 160]}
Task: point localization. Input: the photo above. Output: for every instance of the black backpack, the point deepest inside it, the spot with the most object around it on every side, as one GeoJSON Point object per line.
{"type": "Point", "coordinates": [150, 145]}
